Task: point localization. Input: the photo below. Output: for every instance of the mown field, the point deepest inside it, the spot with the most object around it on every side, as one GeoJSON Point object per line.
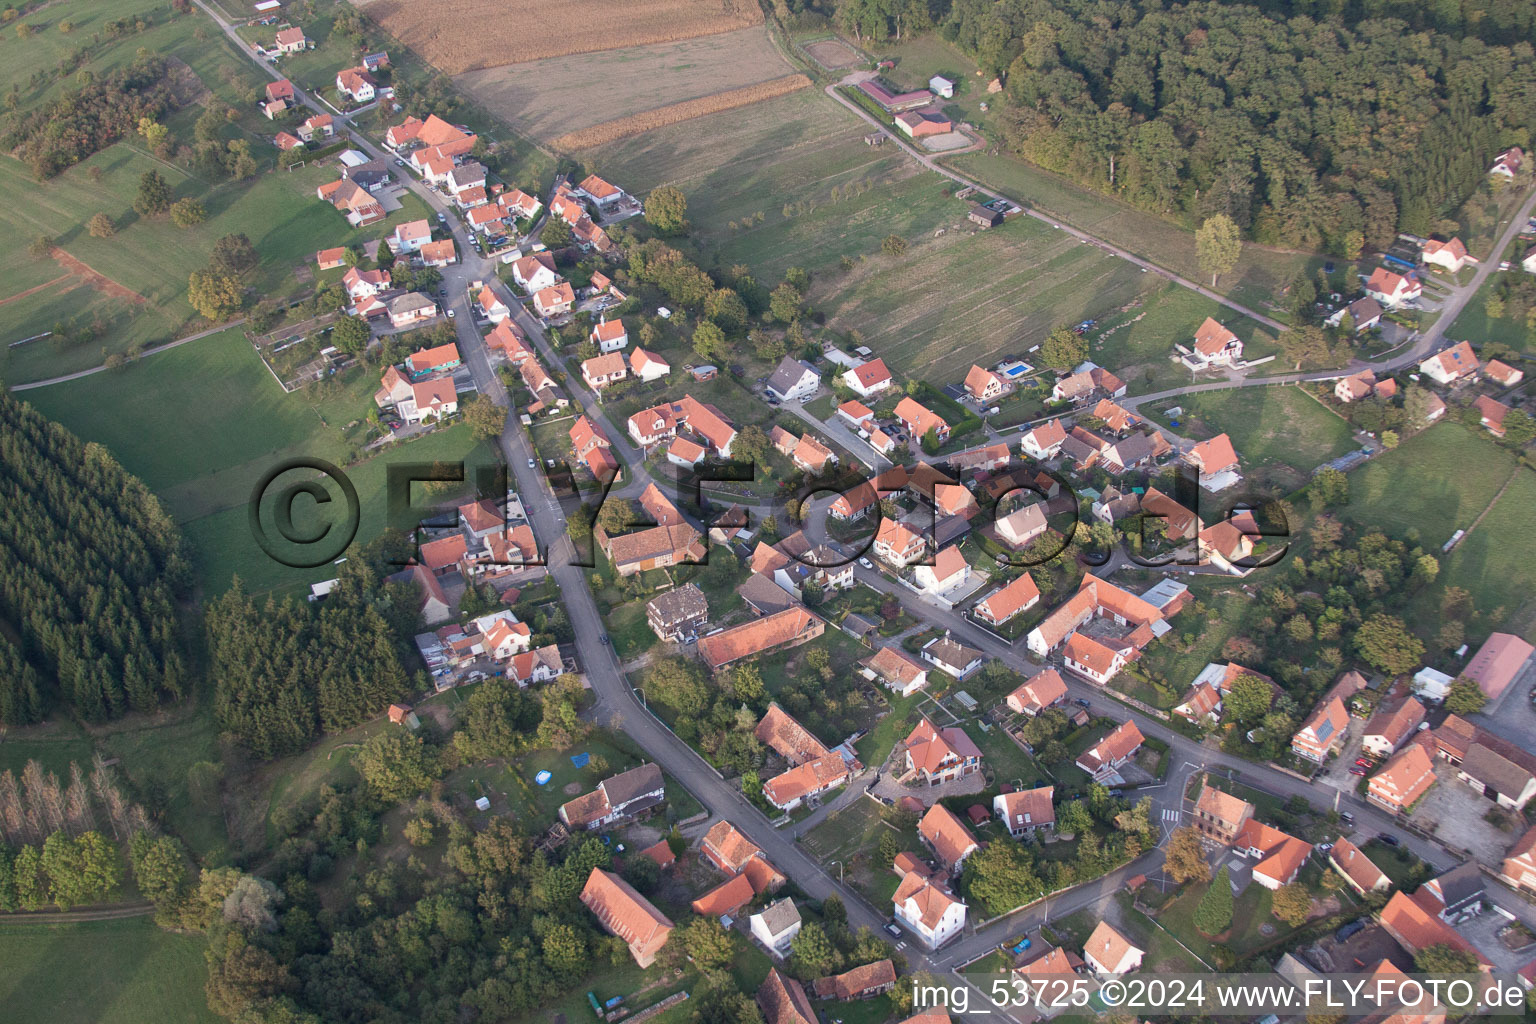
{"type": "Point", "coordinates": [201, 423]}
{"type": "Point", "coordinates": [550, 97]}
{"type": "Point", "coordinates": [122, 972]}
{"type": "Point", "coordinates": [1475, 325]}
{"type": "Point", "coordinates": [435, 28]}
{"type": "Point", "coordinates": [150, 258]}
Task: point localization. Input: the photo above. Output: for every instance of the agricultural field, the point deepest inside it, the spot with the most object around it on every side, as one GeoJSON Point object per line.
{"type": "Point", "coordinates": [833, 53]}
{"type": "Point", "coordinates": [137, 974]}
{"type": "Point", "coordinates": [218, 390]}
{"type": "Point", "coordinates": [1281, 433]}
{"type": "Point", "coordinates": [1481, 563]}
{"type": "Point", "coordinates": [986, 293]}
{"type": "Point", "coordinates": [551, 97]}
{"type": "Point", "coordinates": [676, 113]}
{"type": "Point", "coordinates": [436, 28]}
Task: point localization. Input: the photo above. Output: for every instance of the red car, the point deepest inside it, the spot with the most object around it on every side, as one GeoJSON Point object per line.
{"type": "Point", "coordinates": [1362, 762]}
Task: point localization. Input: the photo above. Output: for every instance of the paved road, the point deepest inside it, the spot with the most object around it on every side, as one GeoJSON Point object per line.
{"type": "Point", "coordinates": [928, 160]}
{"type": "Point", "coordinates": [142, 355]}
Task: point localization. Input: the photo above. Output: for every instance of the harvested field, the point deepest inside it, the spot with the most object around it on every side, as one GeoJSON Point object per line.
{"type": "Point", "coordinates": [833, 54]}
{"type": "Point", "coordinates": [100, 282]}
{"type": "Point", "coordinates": [559, 95]}
{"type": "Point", "coordinates": [624, 127]}
{"type": "Point", "coordinates": [435, 29]}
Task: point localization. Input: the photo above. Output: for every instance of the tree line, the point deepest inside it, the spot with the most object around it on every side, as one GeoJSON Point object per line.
{"type": "Point", "coordinates": [89, 585]}
{"type": "Point", "coordinates": [1311, 125]}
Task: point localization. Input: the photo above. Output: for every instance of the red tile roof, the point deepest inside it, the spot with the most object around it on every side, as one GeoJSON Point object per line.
{"type": "Point", "coordinates": [871, 373]}
{"type": "Point", "coordinates": [625, 913]}
{"type": "Point", "coordinates": [783, 1001]}
{"type": "Point", "coordinates": [1214, 455]}
{"type": "Point", "coordinates": [1497, 662]}
{"type": "Point", "coordinates": [1043, 689]}
{"type": "Point", "coordinates": [726, 898]}
{"type": "Point", "coordinates": [952, 842]}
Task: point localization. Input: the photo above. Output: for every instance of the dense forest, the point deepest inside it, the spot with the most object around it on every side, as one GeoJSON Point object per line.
{"type": "Point", "coordinates": [91, 118]}
{"type": "Point", "coordinates": [1316, 124]}
{"type": "Point", "coordinates": [286, 672]}
{"type": "Point", "coordinates": [91, 570]}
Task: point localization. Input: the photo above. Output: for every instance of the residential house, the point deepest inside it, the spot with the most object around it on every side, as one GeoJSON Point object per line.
{"type": "Point", "coordinates": [1004, 603]}
{"type": "Point", "coordinates": [1179, 523]}
{"type": "Point", "coordinates": [554, 301]}
{"type": "Point", "coordinates": [330, 259]}
{"type": "Point", "coordinates": [486, 219]}
{"type": "Point", "coordinates": [1109, 952]}
{"type": "Point", "coordinates": [1214, 346]}
{"type": "Point", "coordinates": [793, 380]}
{"type": "Point", "coordinates": [648, 366]}
{"type": "Point", "coordinates": [1116, 748]}
{"type": "Point", "coordinates": [605, 195]}
{"type": "Point", "coordinates": [410, 309]}
{"type": "Point", "coordinates": [1406, 777]}
{"type": "Point", "coordinates": [466, 176]}
{"type": "Point", "coordinates": [951, 656]}
{"type": "Point", "coordinates": [949, 570]}
{"type": "Point", "coordinates": [1220, 816]}
{"type": "Point", "coordinates": [1508, 163]}
{"type": "Point", "coordinates": [776, 926]}
{"type": "Point", "coordinates": [650, 427]}
{"type": "Point", "coordinates": [1492, 413]}
{"type": "Point", "coordinates": [788, 628]}
{"type": "Point", "coordinates": [863, 982]}
{"type": "Point", "coordinates": [432, 599]}
{"type": "Point", "coordinates": [1084, 384]}
{"type": "Point", "coordinates": [897, 543]}
{"type": "Point", "coordinates": [435, 397]}
{"type": "Point", "coordinates": [1391, 726]}
{"type": "Point", "coordinates": [410, 236]}
{"type": "Point", "coordinates": [394, 388]}
{"type": "Point", "coordinates": [1502, 373]}
{"type": "Point", "coordinates": [1497, 663]}
{"type": "Point", "coordinates": [519, 205]}
{"type": "Point", "coordinates": [1115, 417]}
{"type": "Point", "coordinates": [285, 142]}
{"type": "Point", "coordinates": [280, 91]}
{"type": "Point", "coordinates": [935, 755]}
{"type": "Point", "coordinates": [919, 420]}
{"type": "Point", "coordinates": [353, 202]}
{"type": "Point", "coordinates": [1453, 893]}
{"type": "Point", "coordinates": [1022, 525]}
{"type": "Point", "coordinates": [868, 379]}
{"type": "Point", "coordinates": [678, 614]}
{"type": "Point", "coordinates": [1091, 659]}
{"type": "Point", "coordinates": [982, 384]}
{"type": "Point", "coordinates": [948, 838]}
{"type": "Point", "coordinates": [360, 284]}
{"type": "Point", "coordinates": [929, 910]}
{"type": "Point", "coordinates": [1449, 365]}
{"type": "Point", "coordinates": [1363, 385]}
{"type": "Point", "coordinates": [291, 40]}
{"type": "Point", "coordinates": [1025, 812]}
{"type": "Point", "coordinates": [540, 665]}
{"type": "Point", "coordinates": [854, 503]}
{"type": "Point", "coordinates": [357, 85]}
{"type": "Point", "coordinates": [438, 359]}
{"type": "Point", "coordinates": [672, 541]}
{"type": "Point", "coordinates": [600, 371]}
{"type": "Point", "coordinates": [1392, 290]}
{"type": "Point", "coordinates": [609, 335]}
{"type": "Point", "coordinates": [618, 797]}
{"type": "Point", "coordinates": [1096, 598]}
{"type": "Point", "coordinates": [624, 912]}
{"type": "Point", "coordinates": [1044, 441]}
{"type": "Point", "coordinates": [1228, 544]}
{"type": "Point", "coordinates": [1280, 856]}
{"type": "Point", "coordinates": [1043, 690]}
{"type": "Point", "coordinates": [1216, 462]}
{"type": "Point", "coordinates": [794, 787]}
{"type": "Point", "coordinates": [590, 445]}
{"type": "Point", "coordinates": [811, 456]}
{"type": "Point", "coordinates": [783, 1001]}
{"type": "Point", "coordinates": [896, 669]}
{"type": "Point", "coordinates": [491, 305]}
{"type": "Point", "coordinates": [1324, 732]}
{"type": "Point", "coordinates": [1132, 452]}
{"type": "Point", "coordinates": [685, 453]}
{"type": "Point", "coordinates": [1356, 868]}
{"type": "Point", "coordinates": [1365, 312]}
{"type": "Point", "coordinates": [1201, 705]}
{"type": "Point", "coordinates": [535, 273]}
{"type": "Point", "coordinates": [727, 848]}
{"type": "Point", "coordinates": [439, 254]}
{"type": "Point", "coordinates": [856, 414]}
{"type": "Point", "coordinates": [1451, 255]}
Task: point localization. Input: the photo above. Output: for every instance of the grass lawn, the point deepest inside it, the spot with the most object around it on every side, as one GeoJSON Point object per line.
{"type": "Point", "coordinates": [1431, 485]}
{"type": "Point", "coordinates": [157, 758]}
{"type": "Point", "coordinates": [876, 745]}
{"type": "Point", "coordinates": [1004, 758]}
{"type": "Point", "coordinates": [201, 423]}
{"type": "Point", "coordinates": [630, 631]}
{"type": "Point", "coordinates": [850, 838]}
{"type": "Point", "coordinates": [128, 972]}
{"type": "Point", "coordinates": [1481, 563]}
{"type": "Point", "coordinates": [53, 744]}
{"type": "Point", "coordinates": [1277, 428]}
{"type": "Point", "coordinates": [1136, 340]}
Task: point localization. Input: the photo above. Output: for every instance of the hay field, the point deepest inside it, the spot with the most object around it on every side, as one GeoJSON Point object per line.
{"type": "Point", "coordinates": [462, 35]}
{"type": "Point", "coordinates": [557, 95]}
{"type": "Point", "coordinates": [650, 120]}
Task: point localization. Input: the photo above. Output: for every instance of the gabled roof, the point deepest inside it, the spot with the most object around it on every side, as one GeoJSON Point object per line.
{"type": "Point", "coordinates": [1116, 746]}
{"type": "Point", "coordinates": [1456, 360]}
{"type": "Point", "coordinates": [764, 634]}
{"type": "Point", "coordinates": [849, 984]}
{"type": "Point", "coordinates": [947, 834]}
{"type": "Point", "coordinates": [1497, 662]}
{"type": "Point", "coordinates": [919, 417]}
{"type": "Point", "coordinates": [1214, 455]}
{"type": "Point", "coordinates": [1502, 372]}
{"type": "Point", "coordinates": [1055, 962]}
{"type": "Point", "coordinates": [927, 896]}
{"type": "Point", "coordinates": [1043, 689]}
{"type": "Point", "coordinates": [978, 379]}
{"type": "Point", "coordinates": [871, 373]}
{"type": "Point", "coordinates": [1326, 723]}
{"type": "Point", "coordinates": [1395, 723]}
{"type": "Point", "coordinates": [1224, 807]}
{"type": "Point", "coordinates": [1416, 928]}
{"type": "Point", "coordinates": [726, 898]}
{"type": "Point", "coordinates": [729, 844]}
{"type": "Point", "coordinates": [1029, 807]}
{"type": "Point", "coordinates": [1007, 601]}
{"type": "Point", "coordinates": [1353, 862]}
{"type": "Point", "coordinates": [623, 911]}
{"type": "Point", "coordinates": [1108, 946]}
{"type": "Point", "coordinates": [805, 780]}
{"type": "Point", "coordinates": [432, 358]}
{"type": "Point", "coordinates": [929, 748]}
{"type": "Point", "coordinates": [1114, 417]}
{"type": "Point", "coordinates": [1211, 337]}
{"type": "Point", "coordinates": [1047, 435]}
{"type": "Point", "coordinates": [895, 665]}
{"type": "Point", "coordinates": [783, 1001]}
{"type": "Point", "coordinates": [949, 562]}
{"type": "Point", "coordinates": [779, 731]}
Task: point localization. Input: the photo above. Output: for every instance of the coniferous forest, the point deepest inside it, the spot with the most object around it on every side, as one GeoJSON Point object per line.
{"type": "Point", "coordinates": [1313, 124]}
{"type": "Point", "coordinates": [89, 578]}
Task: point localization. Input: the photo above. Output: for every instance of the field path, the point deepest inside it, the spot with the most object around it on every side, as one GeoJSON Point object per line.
{"type": "Point", "coordinates": [36, 288]}
{"type": "Point", "coordinates": [101, 282]}
{"type": "Point", "coordinates": [115, 912]}
{"type": "Point", "coordinates": [147, 352]}
{"type": "Point", "coordinates": [1055, 222]}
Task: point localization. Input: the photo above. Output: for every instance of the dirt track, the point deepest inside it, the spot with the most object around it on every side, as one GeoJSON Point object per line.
{"type": "Point", "coordinates": [111, 913]}
{"type": "Point", "coordinates": [100, 282]}
{"type": "Point", "coordinates": [36, 288]}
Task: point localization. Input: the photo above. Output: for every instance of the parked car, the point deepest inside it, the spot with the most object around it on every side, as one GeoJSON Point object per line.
{"type": "Point", "coordinates": [866, 563]}
{"type": "Point", "coordinates": [1388, 839]}
{"type": "Point", "coordinates": [1355, 769]}
{"type": "Point", "coordinates": [1363, 762]}
{"type": "Point", "coordinates": [893, 928]}
{"type": "Point", "coordinates": [532, 464]}
{"type": "Point", "coordinates": [1080, 702]}
{"type": "Point", "coordinates": [1020, 946]}
{"type": "Point", "coordinates": [450, 314]}
{"type": "Point", "coordinates": [1353, 928]}
{"type": "Point", "coordinates": [1346, 817]}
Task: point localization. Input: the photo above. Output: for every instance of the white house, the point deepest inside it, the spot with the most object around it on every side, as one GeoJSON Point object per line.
{"type": "Point", "coordinates": [1109, 952]}
{"type": "Point", "coordinates": [932, 913]}
{"type": "Point", "coordinates": [1432, 684]}
{"type": "Point", "coordinates": [1023, 813]}
{"type": "Point", "coordinates": [793, 381]}
{"type": "Point", "coordinates": [949, 569]}
{"type": "Point", "coordinates": [868, 379]}
{"type": "Point", "coordinates": [1450, 365]}
{"type": "Point", "coordinates": [1392, 290]}
{"type": "Point", "coordinates": [1451, 255]}
{"type": "Point", "coordinates": [609, 335]}
{"type": "Point", "coordinates": [942, 87]}
{"type": "Point", "coordinates": [534, 273]}
{"type": "Point", "coordinates": [648, 366]}
{"type": "Point", "coordinates": [1044, 441]}
{"type": "Point", "coordinates": [1214, 346]}
{"type": "Point", "coordinates": [356, 84]}
{"type": "Point", "coordinates": [776, 926]}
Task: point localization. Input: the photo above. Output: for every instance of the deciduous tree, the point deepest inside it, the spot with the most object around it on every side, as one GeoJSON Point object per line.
{"type": "Point", "coordinates": [1218, 245]}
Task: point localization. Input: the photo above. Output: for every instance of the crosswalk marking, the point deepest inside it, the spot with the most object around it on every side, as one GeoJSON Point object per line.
{"type": "Point", "coordinates": [1169, 814]}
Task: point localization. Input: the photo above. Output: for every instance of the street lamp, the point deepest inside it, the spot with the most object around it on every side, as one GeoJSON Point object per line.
{"type": "Point", "coordinates": [643, 703]}
{"type": "Point", "coordinates": [839, 870]}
